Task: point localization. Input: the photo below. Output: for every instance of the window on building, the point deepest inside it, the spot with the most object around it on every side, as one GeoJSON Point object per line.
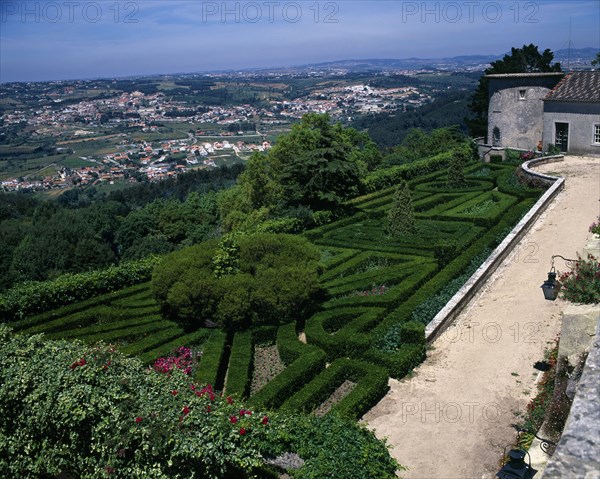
{"type": "Point", "coordinates": [522, 94]}
{"type": "Point", "coordinates": [496, 137]}
{"type": "Point", "coordinates": [597, 134]}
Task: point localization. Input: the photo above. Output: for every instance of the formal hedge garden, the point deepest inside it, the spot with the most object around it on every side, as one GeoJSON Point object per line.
{"type": "Point", "coordinates": [380, 293]}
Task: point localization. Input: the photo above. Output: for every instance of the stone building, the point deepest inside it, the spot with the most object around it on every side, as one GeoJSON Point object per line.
{"type": "Point", "coordinates": [531, 109]}
{"type": "Point", "coordinates": [516, 108]}
{"type": "Point", "coordinates": [572, 114]}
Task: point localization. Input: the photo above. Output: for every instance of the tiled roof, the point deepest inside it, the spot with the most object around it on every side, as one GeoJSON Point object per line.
{"type": "Point", "coordinates": [577, 87]}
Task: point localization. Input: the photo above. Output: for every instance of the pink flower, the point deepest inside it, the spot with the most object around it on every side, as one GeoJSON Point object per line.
{"type": "Point", "coordinates": [233, 419]}
{"type": "Point", "coordinates": [242, 431]}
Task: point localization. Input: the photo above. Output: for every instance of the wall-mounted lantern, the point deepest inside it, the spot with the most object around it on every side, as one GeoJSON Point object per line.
{"type": "Point", "coordinates": [552, 286]}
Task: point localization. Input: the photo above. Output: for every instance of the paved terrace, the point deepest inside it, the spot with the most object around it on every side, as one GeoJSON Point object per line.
{"type": "Point", "coordinates": [452, 418]}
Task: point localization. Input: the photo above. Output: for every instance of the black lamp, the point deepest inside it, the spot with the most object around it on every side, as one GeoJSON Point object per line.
{"type": "Point", "coordinates": [551, 286]}
{"type": "Point", "coordinates": [516, 468]}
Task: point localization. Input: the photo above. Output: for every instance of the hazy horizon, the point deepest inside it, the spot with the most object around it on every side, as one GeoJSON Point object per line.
{"type": "Point", "coordinates": [59, 40]}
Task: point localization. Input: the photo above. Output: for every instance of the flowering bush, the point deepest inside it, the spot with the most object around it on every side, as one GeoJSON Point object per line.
{"type": "Point", "coordinates": [595, 227]}
{"type": "Point", "coordinates": [527, 155]}
{"type": "Point", "coordinates": [90, 412]}
{"type": "Point", "coordinates": [182, 359]}
{"type": "Point", "coordinates": [582, 285]}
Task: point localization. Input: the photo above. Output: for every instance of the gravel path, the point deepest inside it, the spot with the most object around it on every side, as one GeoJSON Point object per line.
{"type": "Point", "coordinates": [452, 418]}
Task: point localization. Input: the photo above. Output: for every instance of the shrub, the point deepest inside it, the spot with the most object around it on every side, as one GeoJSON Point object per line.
{"type": "Point", "coordinates": [272, 280]}
{"type": "Point", "coordinates": [34, 297]}
{"type": "Point", "coordinates": [582, 285]}
{"type": "Point", "coordinates": [89, 412]}
{"type": "Point", "coordinates": [456, 170]}
{"type": "Point", "coordinates": [401, 216]}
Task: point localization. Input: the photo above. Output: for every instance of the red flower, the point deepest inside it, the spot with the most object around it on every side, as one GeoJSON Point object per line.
{"type": "Point", "coordinates": [233, 419]}
{"type": "Point", "coordinates": [174, 392]}
{"type": "Point", "coordinates": [138, 419]}
{"type": "Point", "coordinates": [229, 400]}
{"type": "Point", "coordinates": [242, 431]}
{"type": "Point", "coordinates": [186, 410]}
{"type": "Point", "coordinates": [208, 408]}
{"type": "Point", "coordinates": [109, 470]}
{"type": "Point", "coordinates": [265, 420]}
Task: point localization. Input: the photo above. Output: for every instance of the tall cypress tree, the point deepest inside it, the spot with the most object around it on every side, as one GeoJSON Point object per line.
{"type": "Point", "coordinates": [401, 216]}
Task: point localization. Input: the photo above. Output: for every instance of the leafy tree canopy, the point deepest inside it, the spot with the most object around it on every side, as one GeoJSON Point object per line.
{"type": "Point", "coordinates": [274, 280]}
{"type": "Point", "coordinates": [526, 59]}
{"type": "Point", "coordinates": [317, 165]}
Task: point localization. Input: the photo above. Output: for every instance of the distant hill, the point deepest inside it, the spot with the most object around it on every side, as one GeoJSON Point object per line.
{"type": "Point", "coordinates": [579, 58]}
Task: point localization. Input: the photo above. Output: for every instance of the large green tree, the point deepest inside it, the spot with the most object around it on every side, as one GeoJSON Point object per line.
{"type": "Point", "coordinates": [265, 279]}
{"type": "Point", "coordinates": [316, 166]}
{"type": "Point", "coordinates": [526, 59]}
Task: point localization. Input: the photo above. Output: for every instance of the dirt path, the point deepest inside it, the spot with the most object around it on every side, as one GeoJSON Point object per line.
{"type": "Point", "coordinates": [452, 418]}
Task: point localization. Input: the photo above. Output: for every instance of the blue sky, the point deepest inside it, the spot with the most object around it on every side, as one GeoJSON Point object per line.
{"type": "Point", "coordinates": [66, 39]}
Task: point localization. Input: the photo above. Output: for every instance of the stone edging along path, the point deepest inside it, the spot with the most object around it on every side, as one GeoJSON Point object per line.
{"type": "Point", "coordinates": [456, 304]}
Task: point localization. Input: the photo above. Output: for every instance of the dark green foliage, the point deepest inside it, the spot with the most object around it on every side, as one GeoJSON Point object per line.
{"type": "Point", "coordinates": [343, 332]}
{"type": "Point", "coordinates": [418, 145]}
{"type": "Point", "coordinates": [226, 259]}
{"type": "Point", "coordinates": [445, 252]}
{"type": "Point", "coordinates": [277, 282]}
{"type": "Point", "coordinates": [385, 177]}
{"type": "Point", "coordinates": [401, 216]}
{"type": "Point", "coordinates": [292, 379]}
{"type": "Point", "coordinates": [212, 367]}
{"type": "Point", "coordinates": [36, 297]}
{"type": "Point", "coordinates": [371, 385]}
{"type": "Point", "coordinates": [456, 170]}
{"type": "Point", "coordinates": [85, 412]}
{"type": "Point", "coordinates": [582, 284]}
{"type": "Point", "coordinates": [289, 346]}
{"type": "Point", "coordinates": [239, 372]}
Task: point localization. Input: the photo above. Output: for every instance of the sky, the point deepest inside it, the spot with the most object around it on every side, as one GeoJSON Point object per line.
{"type": "Point", "coordinates": [77, 39]}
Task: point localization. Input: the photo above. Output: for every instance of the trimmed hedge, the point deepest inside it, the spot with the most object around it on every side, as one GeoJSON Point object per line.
{"type": "Point", "coordinates": [371, 385]}
{"type": "Point", "coordinates": [103, 328]}
{"type": "Point", "coordinates": [383, 178]}
{"type": "Point", "coordinates": [360, 261]}
{"type": "Point", "coordinates": [78, 307]}
{"type": "Point", "coordinates": [193, 339]}
{"type": "Point", "coordinates": [290, 380]}
{"type": "Point", "coordinates": [212, 367]}
{"type": "Point", "coordinates": [508, 183]}
{"type": "Point", "coordinates": [501, 202]}
{"type": "Point", "coordinates": [241, 359]}
{"type": "Point", "coordinates": [289, 346]}
{"type": "Point", "coordinates": [351, 336]}
{"type": "Point", "coordinates": [89, 317]}
{"type": "Point", "coordinates": [152, 341]}
{"type": "Point", "coordinates": [34, 297]}
{"type": "Point", "coordinates": [400, 362]}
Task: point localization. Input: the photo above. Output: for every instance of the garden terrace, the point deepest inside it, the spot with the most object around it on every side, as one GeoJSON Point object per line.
{"type": "Point", "coordinates": [381, 292]}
